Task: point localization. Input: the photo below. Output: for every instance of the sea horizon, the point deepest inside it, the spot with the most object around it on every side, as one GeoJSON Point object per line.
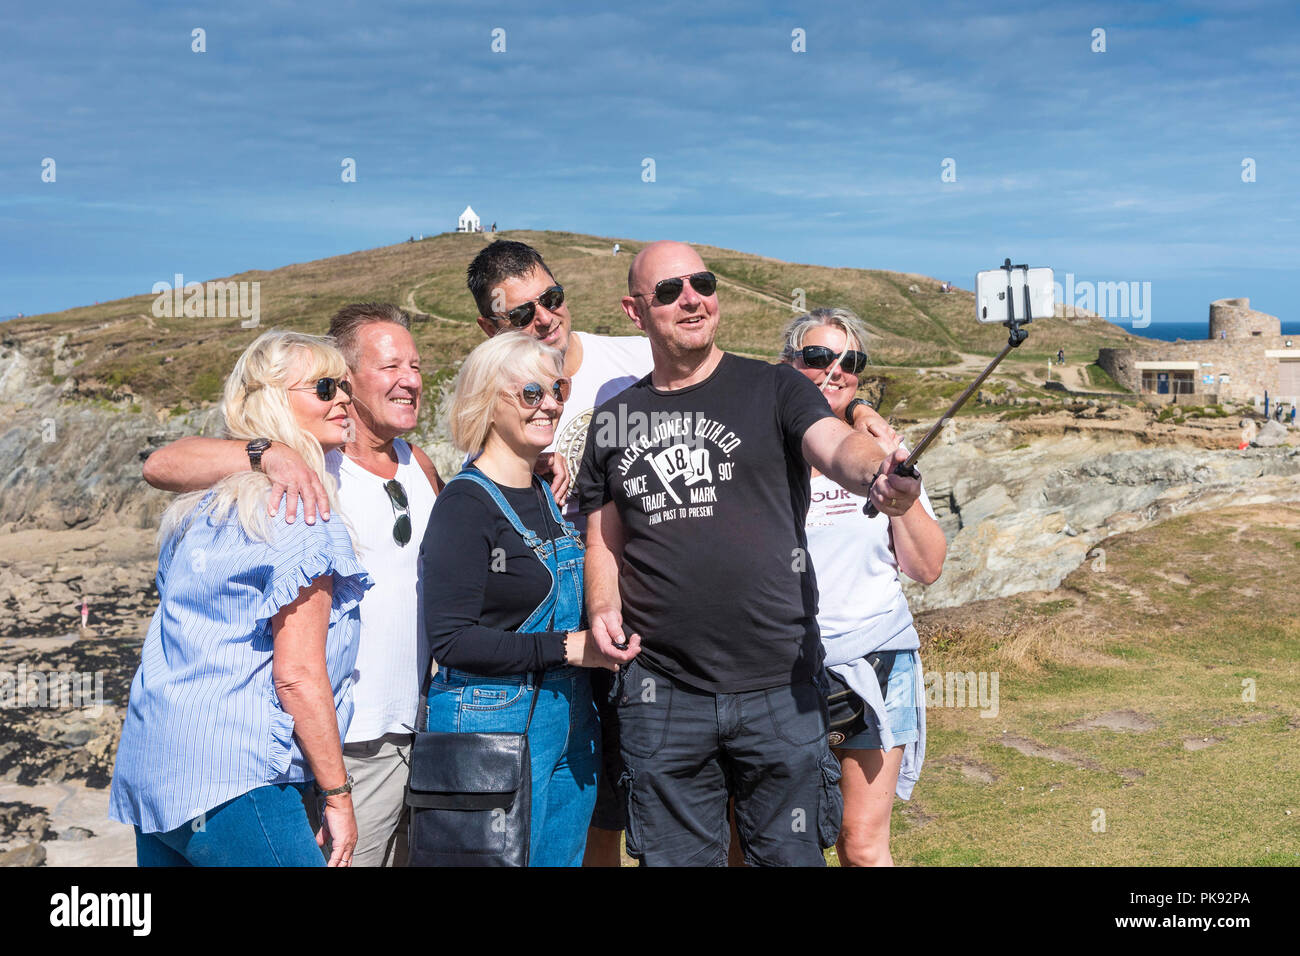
{"type": "Point", "coordinates": [1192, 331]}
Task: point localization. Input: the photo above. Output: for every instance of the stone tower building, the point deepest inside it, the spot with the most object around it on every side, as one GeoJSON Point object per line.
{"type": "Point", "coordinates": [1244, 355]}
{"type": "Point", "coordinates": [1234, 319]}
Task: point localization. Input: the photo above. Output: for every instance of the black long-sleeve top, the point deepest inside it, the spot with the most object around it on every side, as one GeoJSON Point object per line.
{"type": "Point", "coordinates": [481, 582]}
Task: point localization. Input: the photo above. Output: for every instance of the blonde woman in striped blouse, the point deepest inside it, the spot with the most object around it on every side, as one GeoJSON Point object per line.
{"type": "Point", "coordinates": [243, 693]}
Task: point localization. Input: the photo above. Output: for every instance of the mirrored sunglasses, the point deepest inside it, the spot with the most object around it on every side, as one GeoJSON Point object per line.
{"type": "Point", "coordinates": [531, 394]}
{"type": "Point", "coordinates": [521, 316]}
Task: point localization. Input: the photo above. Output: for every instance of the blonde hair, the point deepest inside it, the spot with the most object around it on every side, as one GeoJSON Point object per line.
{"type": "Point", "coordinates": [505, 358]}
{"type": "Point", "coordinates": [855, 332]}
{"type": "Point", "coordinates": [255, 404]}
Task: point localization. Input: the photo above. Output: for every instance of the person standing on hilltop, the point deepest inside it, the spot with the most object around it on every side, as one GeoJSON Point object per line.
{"type": "Point", "coordinates": [386, 489]}
{"type": "Point", "coordinates": [696, 549]}
{"type": "Point", "coordinates": [514, 289]}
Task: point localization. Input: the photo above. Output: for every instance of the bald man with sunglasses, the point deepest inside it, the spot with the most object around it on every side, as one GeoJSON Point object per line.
{"type": "Point", "coordinates": [697, 559]}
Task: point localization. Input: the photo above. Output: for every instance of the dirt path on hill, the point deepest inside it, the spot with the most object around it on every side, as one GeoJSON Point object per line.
{"type": "Point", "coordinates": [408, 303]}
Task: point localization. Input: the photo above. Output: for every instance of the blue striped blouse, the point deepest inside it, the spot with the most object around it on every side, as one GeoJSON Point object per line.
{"type": "Point", "coordinates": [204, 724]}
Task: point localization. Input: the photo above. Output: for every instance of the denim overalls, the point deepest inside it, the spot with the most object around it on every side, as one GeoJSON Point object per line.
{"type": "Point", "coordinates": [564, 737]}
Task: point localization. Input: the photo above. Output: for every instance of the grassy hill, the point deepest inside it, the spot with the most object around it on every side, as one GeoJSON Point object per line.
{"type": "Point", "coordinates": [1147, 714]}
{"type": "Point", "coordinates": [120, 351]}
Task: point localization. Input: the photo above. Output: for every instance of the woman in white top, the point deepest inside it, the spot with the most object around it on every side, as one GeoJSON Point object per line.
{"type": "Point", "coordinates": [871, 644]}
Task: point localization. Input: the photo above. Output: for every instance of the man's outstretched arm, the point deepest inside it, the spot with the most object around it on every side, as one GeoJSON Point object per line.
{"type": "Point", "coordinates": [195, 463]}
{"type": "Point", "coordinates": [858, 463]}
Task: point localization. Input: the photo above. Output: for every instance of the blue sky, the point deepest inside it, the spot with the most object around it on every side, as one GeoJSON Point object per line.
{"type": "Point", "coordinates": [1117, 166]}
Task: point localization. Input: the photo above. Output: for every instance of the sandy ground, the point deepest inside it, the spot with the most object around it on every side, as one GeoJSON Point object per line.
{"type": "Point", "coordinates": [71, 804]}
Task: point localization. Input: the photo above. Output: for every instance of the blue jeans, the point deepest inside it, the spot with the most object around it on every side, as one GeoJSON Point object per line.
{"type": "Point", "coordinates": [563, 744]}
{"type": "Point", "coordinates": [264, 827]}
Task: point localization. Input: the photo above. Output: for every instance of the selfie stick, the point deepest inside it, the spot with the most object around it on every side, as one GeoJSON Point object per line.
{"type": "Point", "coordinates": [1017, 335]}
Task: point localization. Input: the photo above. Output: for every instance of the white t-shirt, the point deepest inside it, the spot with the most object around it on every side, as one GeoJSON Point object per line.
{"type": "Point", "coordinates": [855, 564]}
{"type": "Point", "coordinates": [386, 681]}
{"type": "Point", "coordinates": [609, 365]}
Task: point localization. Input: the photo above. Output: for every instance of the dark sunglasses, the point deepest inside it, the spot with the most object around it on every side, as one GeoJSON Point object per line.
{"type": "Point", "coordinates": [667, 291]}
{"type": "Point", "coordinates": [326, 388]}
{"type": "Point", "coordinates": [532, 393]}
{"type": "Point", "coordinates": [397, 495]}
{"type": "Point", "coordinates": [819, 356]}
{"type": "Point", "coordinates": [522, 316]}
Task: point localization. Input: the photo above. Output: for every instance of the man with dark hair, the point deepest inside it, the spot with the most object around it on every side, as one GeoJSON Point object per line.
{"type": "Point", "coordinates": [695, 481]}
{"type": "Point", "coordinates": [386, 489]}
{"type": "Point", "coordinates": [515, 289]}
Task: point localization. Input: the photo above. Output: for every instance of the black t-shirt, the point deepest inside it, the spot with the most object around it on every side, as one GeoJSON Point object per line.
{"type": "Point", "coordinates": [481, 582]}
{"type": "Point", "coordinates": [712, 489]}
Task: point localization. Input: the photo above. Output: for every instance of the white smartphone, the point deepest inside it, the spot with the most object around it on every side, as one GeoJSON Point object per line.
{"type": "Point", "coordinates": [991, 294]}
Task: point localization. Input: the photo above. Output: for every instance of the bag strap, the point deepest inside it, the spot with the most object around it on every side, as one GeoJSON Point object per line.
{"type": "Point", "coordinates": [537, 692]}
{"type": "Point", "coordinates": [534, 543]}
{"type": "Point", "coordinates": [554, 558]}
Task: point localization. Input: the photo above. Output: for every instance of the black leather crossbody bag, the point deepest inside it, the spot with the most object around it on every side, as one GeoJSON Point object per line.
{"type": "Point", "coordinates": [470, 797]}
{"type": "Point", "coordinates": [471, 794]}
{"type": "Point", "coordinates": [848, 711]}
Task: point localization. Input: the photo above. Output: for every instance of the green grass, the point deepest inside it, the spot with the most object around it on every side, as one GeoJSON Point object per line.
{"type": "Point", "coordinates": [1098, 377]}
{"type": "Point", "coordinates": [1172, 653]}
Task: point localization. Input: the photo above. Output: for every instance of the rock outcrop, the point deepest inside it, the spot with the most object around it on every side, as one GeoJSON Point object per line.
{"type": "Point", "coordinates": [73, 464]}
{"type": "Point", "coordinates": [1020, 515]}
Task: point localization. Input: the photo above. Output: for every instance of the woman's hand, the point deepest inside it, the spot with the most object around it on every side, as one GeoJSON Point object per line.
{"type": "Point", "coordinates": [893, 494]}
{"type": "Point", "coordinates": [582, 650]}
{"type": "Point", "coordinates": [867, 419]}
{"type": "Point", "coordinates": [339, 827]}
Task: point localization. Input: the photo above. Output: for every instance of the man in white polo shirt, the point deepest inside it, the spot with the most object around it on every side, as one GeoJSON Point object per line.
{"type": "Point", "coordinates": [386, 490]}
{"type": "Point", "coordinates": [514, 289]}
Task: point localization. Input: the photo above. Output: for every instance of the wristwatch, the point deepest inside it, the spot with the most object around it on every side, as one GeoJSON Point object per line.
{"type": "Point", "coordinates": [256, 448]}
{"type": "Point", "coordinates": [848, 412]}
{"type": "Point", "coordinates": [346, 788]}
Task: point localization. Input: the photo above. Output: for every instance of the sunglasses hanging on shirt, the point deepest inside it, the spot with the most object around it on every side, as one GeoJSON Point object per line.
{"type": "Point", "coordinates": [402, 526]}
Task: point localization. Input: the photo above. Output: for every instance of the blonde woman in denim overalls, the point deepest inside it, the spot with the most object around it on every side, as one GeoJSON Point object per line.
{"type": "Point", "coordinates": [503, 599]}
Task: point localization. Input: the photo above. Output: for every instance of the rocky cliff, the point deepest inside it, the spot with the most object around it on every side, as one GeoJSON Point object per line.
{"type": "Point", "coordinates": [1023, 504]}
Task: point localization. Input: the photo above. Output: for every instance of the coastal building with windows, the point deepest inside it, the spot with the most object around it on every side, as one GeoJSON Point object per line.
{"type": "Point", "coordinates": [1243, 356]}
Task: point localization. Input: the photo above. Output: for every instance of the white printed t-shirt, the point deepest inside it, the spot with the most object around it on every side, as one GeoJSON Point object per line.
{"type": "Point", "coordinates": [609, 364]}
{"type": "Point", "coordinates": [857, 570]}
